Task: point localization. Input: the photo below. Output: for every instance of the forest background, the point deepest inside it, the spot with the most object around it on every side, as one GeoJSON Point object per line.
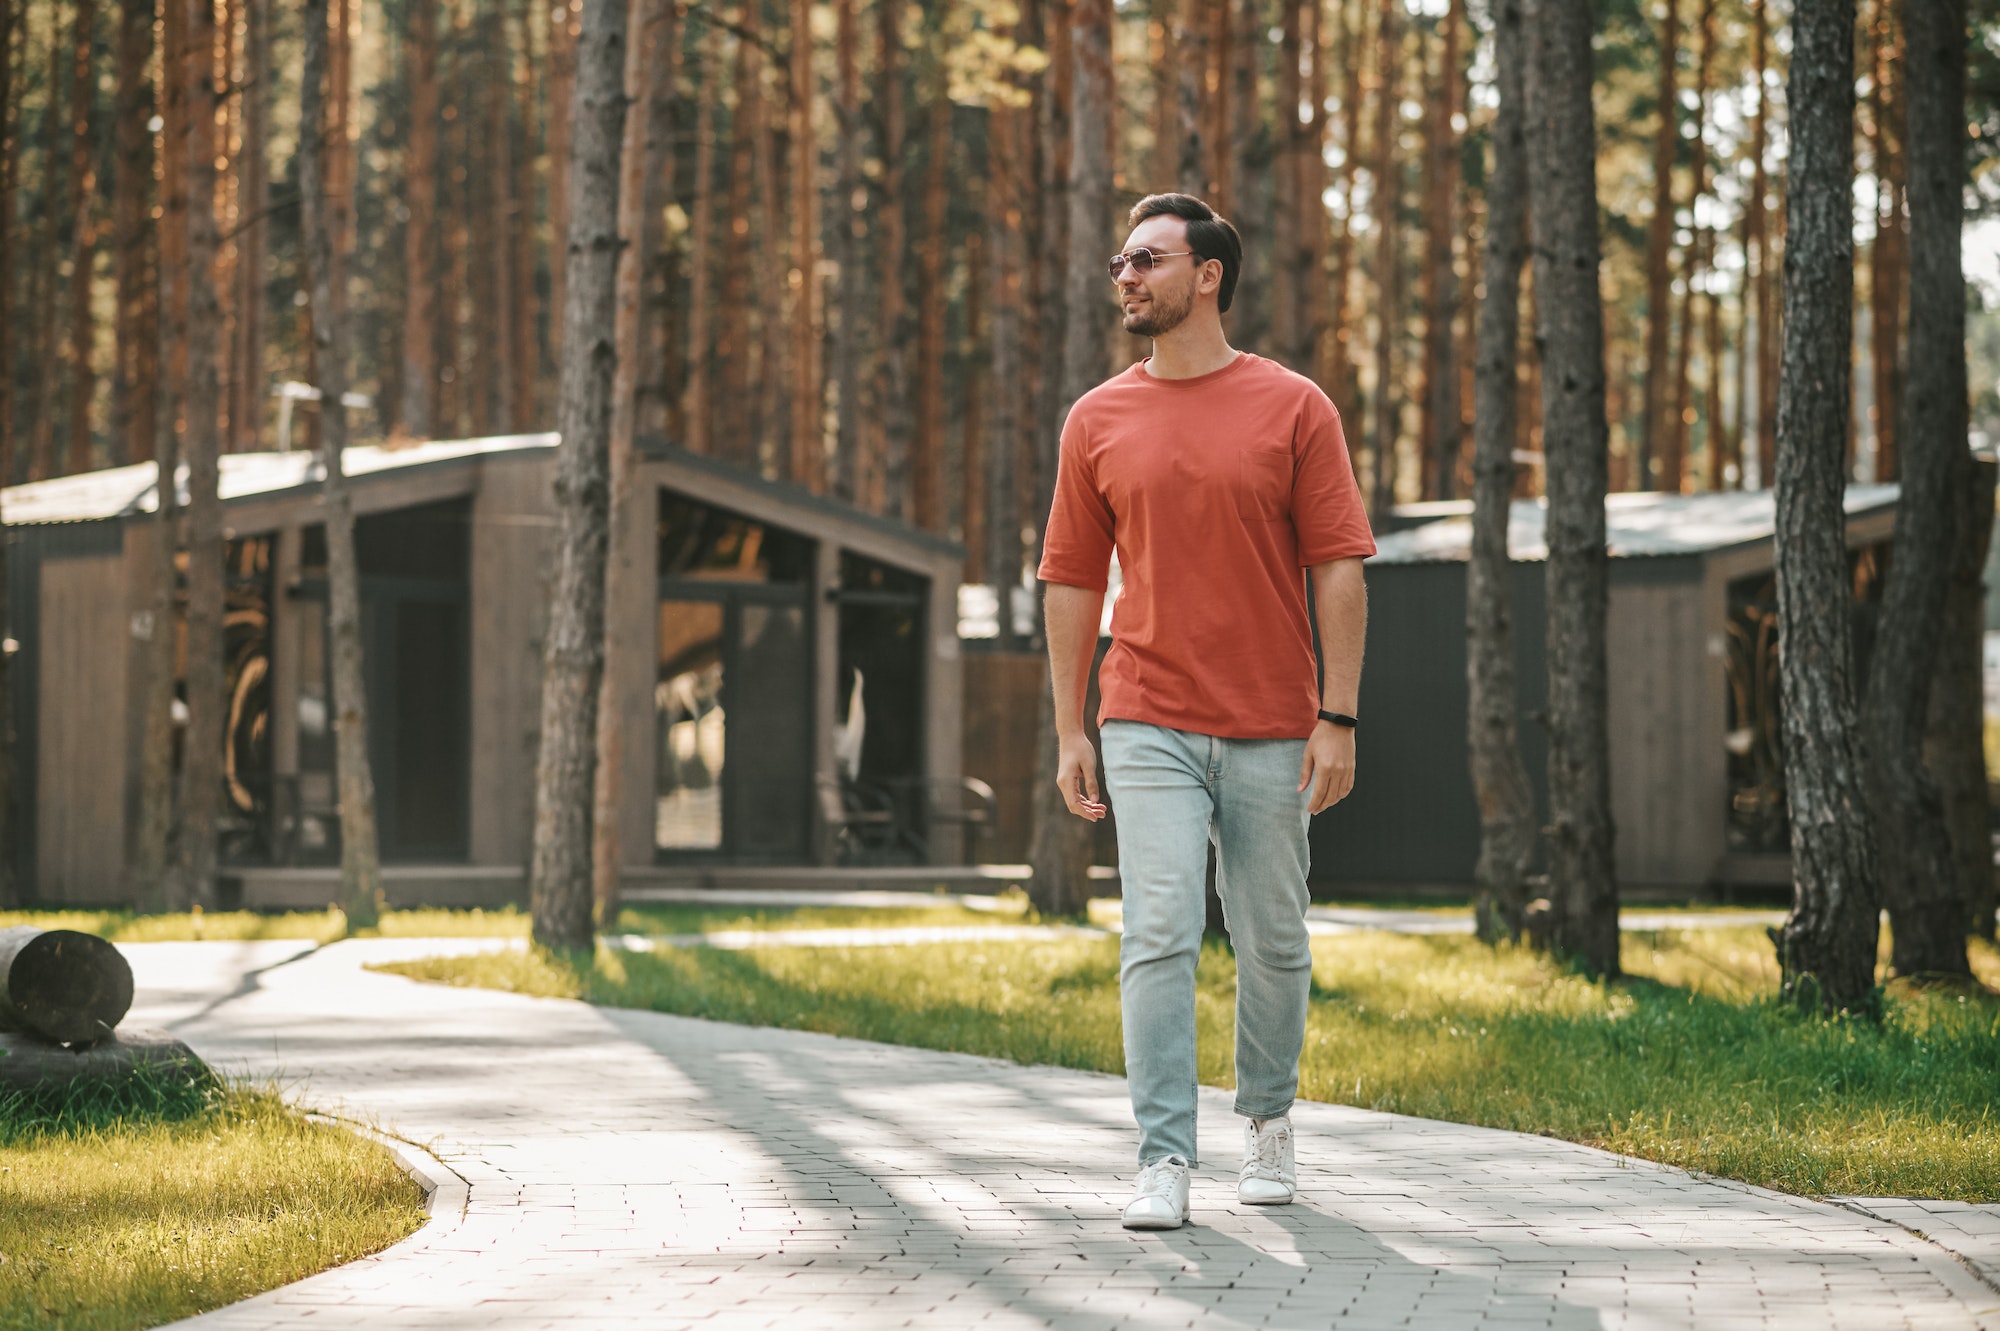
{"type": "Point", "coordinates": [854, 220]}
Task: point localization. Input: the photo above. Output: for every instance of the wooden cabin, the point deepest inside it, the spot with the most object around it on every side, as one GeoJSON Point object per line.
{"type": "Point", "coordinates": [1696, 786]}
{"type": "Point", "coordinates": [772, 649]}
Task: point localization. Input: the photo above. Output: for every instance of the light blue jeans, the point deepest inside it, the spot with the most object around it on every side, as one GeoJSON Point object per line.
{"type": "Point", "coordinates": [1173, 793]}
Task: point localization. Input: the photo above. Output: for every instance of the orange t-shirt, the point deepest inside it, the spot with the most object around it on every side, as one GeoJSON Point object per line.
{"type": "Point", "coordinates": [1216, 492]}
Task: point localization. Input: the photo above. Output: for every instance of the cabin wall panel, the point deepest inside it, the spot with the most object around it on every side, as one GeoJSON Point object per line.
{"type": "Point", "coordinates": [513, 544]}
{"type": "Point", "coordinates": [82, 742]}
{"type": "Point", "coordinates": [1655, 639]}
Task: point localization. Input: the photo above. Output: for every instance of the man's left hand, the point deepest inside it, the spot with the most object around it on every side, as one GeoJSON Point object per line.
{"type": "Point", "coordinates": [1328, 769]}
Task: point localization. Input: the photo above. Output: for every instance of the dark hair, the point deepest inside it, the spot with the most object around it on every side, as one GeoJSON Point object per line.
{"type": "Point", "coordinates": [1209, 236]}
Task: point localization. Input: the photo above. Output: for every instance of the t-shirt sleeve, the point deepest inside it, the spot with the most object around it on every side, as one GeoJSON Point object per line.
{"type": "Point", "coordinates": [1327, 512]}
{"type": "Point", "coordinates": [1076, 547]}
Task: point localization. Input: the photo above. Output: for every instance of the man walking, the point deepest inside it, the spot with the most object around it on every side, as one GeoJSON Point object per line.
{"type": "Point", "coordinates": [1218, 477]}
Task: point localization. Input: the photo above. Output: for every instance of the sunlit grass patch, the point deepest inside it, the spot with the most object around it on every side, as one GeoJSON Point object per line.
{"type": "Point", "coordinates": [119, 1214]}
{"type": "Point", "coordinates": [326, 926]}
{"type": "Point", "coordinates": [1691, 1061]}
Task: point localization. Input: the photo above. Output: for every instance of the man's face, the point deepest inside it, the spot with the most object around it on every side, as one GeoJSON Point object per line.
{"type": "Point", "coordinates": [1156, 302]}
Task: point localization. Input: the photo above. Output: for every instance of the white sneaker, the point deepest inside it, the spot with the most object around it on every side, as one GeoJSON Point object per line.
{"type": "Point", "coordinates": [1161, 1199]}
{"type": "Point", "coordinates": [1270, 1177]}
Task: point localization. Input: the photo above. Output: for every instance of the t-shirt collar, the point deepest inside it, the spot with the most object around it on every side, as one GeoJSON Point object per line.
{"type": "Point", "coordinates": [1139, 372]}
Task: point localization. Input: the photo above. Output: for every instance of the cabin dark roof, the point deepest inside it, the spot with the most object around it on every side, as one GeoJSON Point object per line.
{"type": "Point", "coordinates": [1638, 525]}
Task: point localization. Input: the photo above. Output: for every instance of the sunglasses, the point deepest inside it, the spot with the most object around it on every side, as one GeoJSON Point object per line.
{"type": "Point", "coordinates": [1141, 259]}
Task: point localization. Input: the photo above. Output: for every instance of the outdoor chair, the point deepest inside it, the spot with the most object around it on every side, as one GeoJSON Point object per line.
{"type": "Point", "coordinates": [932, 802]}
{"type": "Point", "coordinates": [861, 822]}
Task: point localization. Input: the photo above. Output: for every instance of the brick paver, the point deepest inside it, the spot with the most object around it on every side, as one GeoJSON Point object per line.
{"type": "Point", "coordinates": [635, 1169]}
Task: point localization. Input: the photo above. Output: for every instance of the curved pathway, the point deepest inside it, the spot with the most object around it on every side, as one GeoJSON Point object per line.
{"type": "Point", "coordinates": [635, 1169]}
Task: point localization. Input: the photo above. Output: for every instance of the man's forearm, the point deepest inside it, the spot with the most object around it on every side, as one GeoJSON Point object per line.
{"type": "Point", "coordinates": [1340, 598]}
{"type": "Point", "coordinates": [1071, 615]}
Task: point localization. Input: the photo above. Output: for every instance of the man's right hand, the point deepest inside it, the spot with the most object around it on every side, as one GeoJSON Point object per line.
{"type": "Point", "coordinates": [1076, 777]}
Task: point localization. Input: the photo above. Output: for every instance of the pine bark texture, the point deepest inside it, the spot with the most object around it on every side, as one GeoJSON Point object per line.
{"type": "Point", "coordinates": [893, 330]}
{"type": "Point", "coordinates": [153, 849]}
{"type": "Point", "coordinates": [416, 417]}
{"type": "Point", "coordinates": [1913, 844]}
{"type": "Point", "coordinates": [559, 877]}
{"type": "Point", "coordinates": [1385, 194]}
{"type": "Point", "coordinates": [1059, 853]}
{"type": "Point", "coordinates": [1442, 428]}
{"type": "Point", "coordinates": [1499, 777]}
{"type": "Point", "coordinates": [135, 360]}
{"type": "Point", "coordinates": [253, 190]}
{"type": "Point", "coordinates": [77, 450]}
{"type": "Point", "coordinates": [360, 867]}
{"type": "Point", "coordinates": [1826, 949]}
{"type": "Point", "coordinates": [808, 445]}
{"type": "Point", "coordinates": [1890, 249]}
{"type": "Point", "coordinates": [849, 224]}
{"type": "Point", "coordinates": [1656, 419]}
{"type": "Point", "coordinates": [695, 394]}
{"type": "Point", "coordinates": [1562, 193]}
{"type": "Point", "coordinates": [201, 765]}
{"type": "Point", "coordinates": [647, 25]}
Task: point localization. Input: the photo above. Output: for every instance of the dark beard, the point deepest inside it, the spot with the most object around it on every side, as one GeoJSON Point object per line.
{"type": "Point", "coordinates": [1161, 318]}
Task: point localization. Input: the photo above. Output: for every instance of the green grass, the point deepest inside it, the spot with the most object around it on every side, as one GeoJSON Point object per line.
{"type": "Point", "coordinates": [130, 1209]}
{"type": "Point", "coordinates": [1691, 1061]}
{"type": "Point", "coordinates": [325, 926]}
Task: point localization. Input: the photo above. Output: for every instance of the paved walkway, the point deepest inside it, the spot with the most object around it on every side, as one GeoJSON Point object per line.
{"type": "Point", "coordinates": [634, 1169]}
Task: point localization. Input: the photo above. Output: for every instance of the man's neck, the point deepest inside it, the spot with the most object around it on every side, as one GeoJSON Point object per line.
{"type": "Point", "coordinates": [1188, 353]}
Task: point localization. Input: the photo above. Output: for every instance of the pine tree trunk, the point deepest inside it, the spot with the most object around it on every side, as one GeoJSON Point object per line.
{"type": "Point", "coordinates": [1562, 200]}
{"type": "Point", "coordinates": [1386, 202]}
{"type": "Point", "coordinates": [416, 418]}
{"type": "Point", "coordinates": [135, 376]}
{"type": "Point", "coordinates": [1163, 167]}
{"type": "Point", "coordinates": [360, 868]}
{"type": "Point", "coordinates": [1913, 843]}
{"type": "Point", "coordinates": [1221, 99]}
{"type": "Point", "coordinates": [927, 459]}
{"type": "Point", "coordinates": [505, 370]}
{"type": "Point", "coordinates": [153, 850]}
{"type": "Point", "coordinates": [201, 768]}
{"type": "Point", "coordinates": [562, 97]}
{"type": "Point", "coordinates": [253, 193]}
{"type": "Point", "coordinates": [648, 23]}
{"type": "Point", "coordinates": [733, 420]}
{"type": "Point", "coordinates": [1827, 948]}
{"type": "Point", "coordinates": [659, 352]}
{"type": "Point", "coordinates": [1677, 460]}
{"type": "Point", "coordinates": [770, 405]}
{"type": "Point", "coordinates": [1752, 427]}
{"type": "Point", "coordinates": [1059, 851]}
{"type": "Point", "coordinates": [808, 400]}
{"type": "Point", "coordinates": [1340, 382]}
{"type": "Point", "coordinates": [1287, 180]}
{"type": "Point", "coordinates": [559, 877]}
{"type": "Point", "coordinates": [1770, 266]}
{"type": "Point", "coordinates": [525, 353]}
{"type": "Point", "coordinates": [700, 364]}
{"type": "Point", "coordinates": [1891, 246]}
{"type": "Point", "coordinates": [1310, 262]}
{"type": "Point", "coordinates": [849, 226]}
{"type": "Point", "coordinates": [44, 388]}
{"type": "Point", "coordinates": [1191, 51]}
{"type": "Point", "coordinates": [892, 322]}
{"type": "Point", "coordinates": [1954, 750]}
{"type": "Point", "coordinates": [990, 485]}
{"type": "Point", "coordinates": [77, 452]}
{"type": "Point", "coordinates": [1442, 431]}
{"type": "Point", "coordinates": [1048, 263]}
{"type": "Point", "coordinates": [1655, 421]}
{"type": "Point", "coordinates": [1499, 777]}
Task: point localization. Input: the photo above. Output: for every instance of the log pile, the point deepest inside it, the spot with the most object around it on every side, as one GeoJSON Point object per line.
{"type": "Point", "coordinates": [62, 995]}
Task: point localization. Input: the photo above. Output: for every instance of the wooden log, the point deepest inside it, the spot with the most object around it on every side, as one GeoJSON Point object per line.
{"type": "Point", "coordinates": [64, 986]}
{"type": "Point", "coordinates": [29, 1064]}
